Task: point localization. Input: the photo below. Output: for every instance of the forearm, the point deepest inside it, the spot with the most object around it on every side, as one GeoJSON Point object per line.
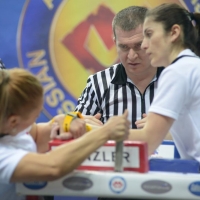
{"type": "Point", "coordinates": [60, 161]}
{"type": "Point", "coordinates": [42, 139]}
{"type": "Point", "coordinates": [41, 133]}
{"type": "Point", "coordinates": [144, 136]}
{"type": "Point", "coordinates": [67, 157]}
{"type": "Point", "coordinates": [154, 131]}
{"type": "Point", "coordinates": [77, 151]}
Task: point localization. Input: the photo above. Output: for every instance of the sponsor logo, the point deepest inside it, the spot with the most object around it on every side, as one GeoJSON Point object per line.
{"type": "Point", "coordinates": [77, 183]}
{"type": "Point", "coordinates": [117, 184]}
{"type": "Point", "coordinates": [35, 185]}
{"type": "Point", "coordinates": [156, 186]}
{"type": "Point", "coordinates": [194, 188]}
{"type": "Point", "coordinates": [106, 156]}
{"type": "Point", "coordinates": [62, 48]}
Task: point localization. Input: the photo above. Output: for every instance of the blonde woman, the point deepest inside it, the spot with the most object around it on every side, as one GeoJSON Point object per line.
{"type": "Point", "coordinates": [20, 104]}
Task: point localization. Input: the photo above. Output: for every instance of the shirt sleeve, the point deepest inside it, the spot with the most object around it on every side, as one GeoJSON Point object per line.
{"type": "Point", "coordinates": [87, 102]}
{"type": "Point", "coordinates": [9, 159]}
{"type": "Point", "coordinates": [171, 94]}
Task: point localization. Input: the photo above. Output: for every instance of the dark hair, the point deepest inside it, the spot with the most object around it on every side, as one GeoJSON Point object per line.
{"type": "Point", "coordinates": [169, 14]}
{"type": "Point", "coordinates": [129, 18]}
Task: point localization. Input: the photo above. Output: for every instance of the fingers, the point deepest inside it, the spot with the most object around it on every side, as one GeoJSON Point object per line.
{"type": "Point", "coordinates": [93, 120]}
{"type": "Point", "coordinates": [98, 116]}
{"type": "Point", "coordinates": [141, 123]}
{"type": "Point", "coordinates": [144, 115]}
{"type": "Point", "coordinates": [54, 130]}
{"type": "Point", "coordinates": [77, 128]}
{"type": "Point", "coordinates": [55, 133]}
{"type": "Point", "coordinates": [125, 114]}
{"type": "Point", "coordinates": [122, 134]}
{"type": "Point", "coordinates": [64, 136]}
{"type": "Point", "coordinates": [118, 127]}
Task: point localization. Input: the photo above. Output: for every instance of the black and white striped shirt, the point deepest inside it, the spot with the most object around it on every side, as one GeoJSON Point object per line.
{"type": "Point", "coordinates": [110, 92]}
{"type": "Point", "coordinates": [2, 66]}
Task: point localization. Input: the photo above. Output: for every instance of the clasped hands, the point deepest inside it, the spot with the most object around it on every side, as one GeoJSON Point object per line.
{"type": "Point", "coordinates": [117, 127]}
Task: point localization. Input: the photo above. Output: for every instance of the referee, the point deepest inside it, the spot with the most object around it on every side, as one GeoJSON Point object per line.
{"type": "Point", "coordinates": [130, 84]}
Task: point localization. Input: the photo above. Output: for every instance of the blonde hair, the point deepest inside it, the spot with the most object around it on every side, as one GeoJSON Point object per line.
{"type": "Point", "coordinates": [20, 92]}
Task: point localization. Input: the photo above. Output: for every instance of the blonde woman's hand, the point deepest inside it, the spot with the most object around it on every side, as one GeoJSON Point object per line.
{"type": "Point", "coordinates": [118, 127]}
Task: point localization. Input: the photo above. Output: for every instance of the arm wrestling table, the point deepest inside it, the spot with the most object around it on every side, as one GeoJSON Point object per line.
{"type": "Point", "coordinates": [96, 177]}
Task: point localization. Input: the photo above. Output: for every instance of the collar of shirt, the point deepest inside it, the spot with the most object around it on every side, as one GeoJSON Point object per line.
{"type": "Point", "coordinates": [120, 77]}
{"type": "Point", "coordinates": [186, 52]}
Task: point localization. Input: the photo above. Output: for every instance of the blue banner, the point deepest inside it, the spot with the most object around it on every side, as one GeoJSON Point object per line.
{"type": "Point", "coordinates": [62, 42]}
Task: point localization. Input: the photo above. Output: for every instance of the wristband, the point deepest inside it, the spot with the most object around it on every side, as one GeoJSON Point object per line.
{"type": "Point", "coordinates": [70, 117]}
{"type": "Point", "coordinates": [52, 120]}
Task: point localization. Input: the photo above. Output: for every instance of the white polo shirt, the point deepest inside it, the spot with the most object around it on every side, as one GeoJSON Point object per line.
{"type": "Point", "coordinates": [178, 97]}
{"type": "Point", "coordinates": [12, 150]}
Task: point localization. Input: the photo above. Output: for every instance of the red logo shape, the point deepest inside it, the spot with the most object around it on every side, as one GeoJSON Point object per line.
{"type": "Point", "coordinates": [75, 41]}
{"type": "Point", "coordinates": [117, 184]}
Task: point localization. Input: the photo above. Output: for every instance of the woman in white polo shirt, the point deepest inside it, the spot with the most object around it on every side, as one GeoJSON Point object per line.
{"type": "Point", "coordinates": [172, 40]}
{"type": "Point", "coordinates": [20, 104]}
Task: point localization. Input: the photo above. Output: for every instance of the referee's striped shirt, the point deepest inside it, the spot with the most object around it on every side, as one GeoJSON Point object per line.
{"type": "Point", "coordinates": [110, 92]}
{"type": "Point", "coordinates": [2, 66]}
